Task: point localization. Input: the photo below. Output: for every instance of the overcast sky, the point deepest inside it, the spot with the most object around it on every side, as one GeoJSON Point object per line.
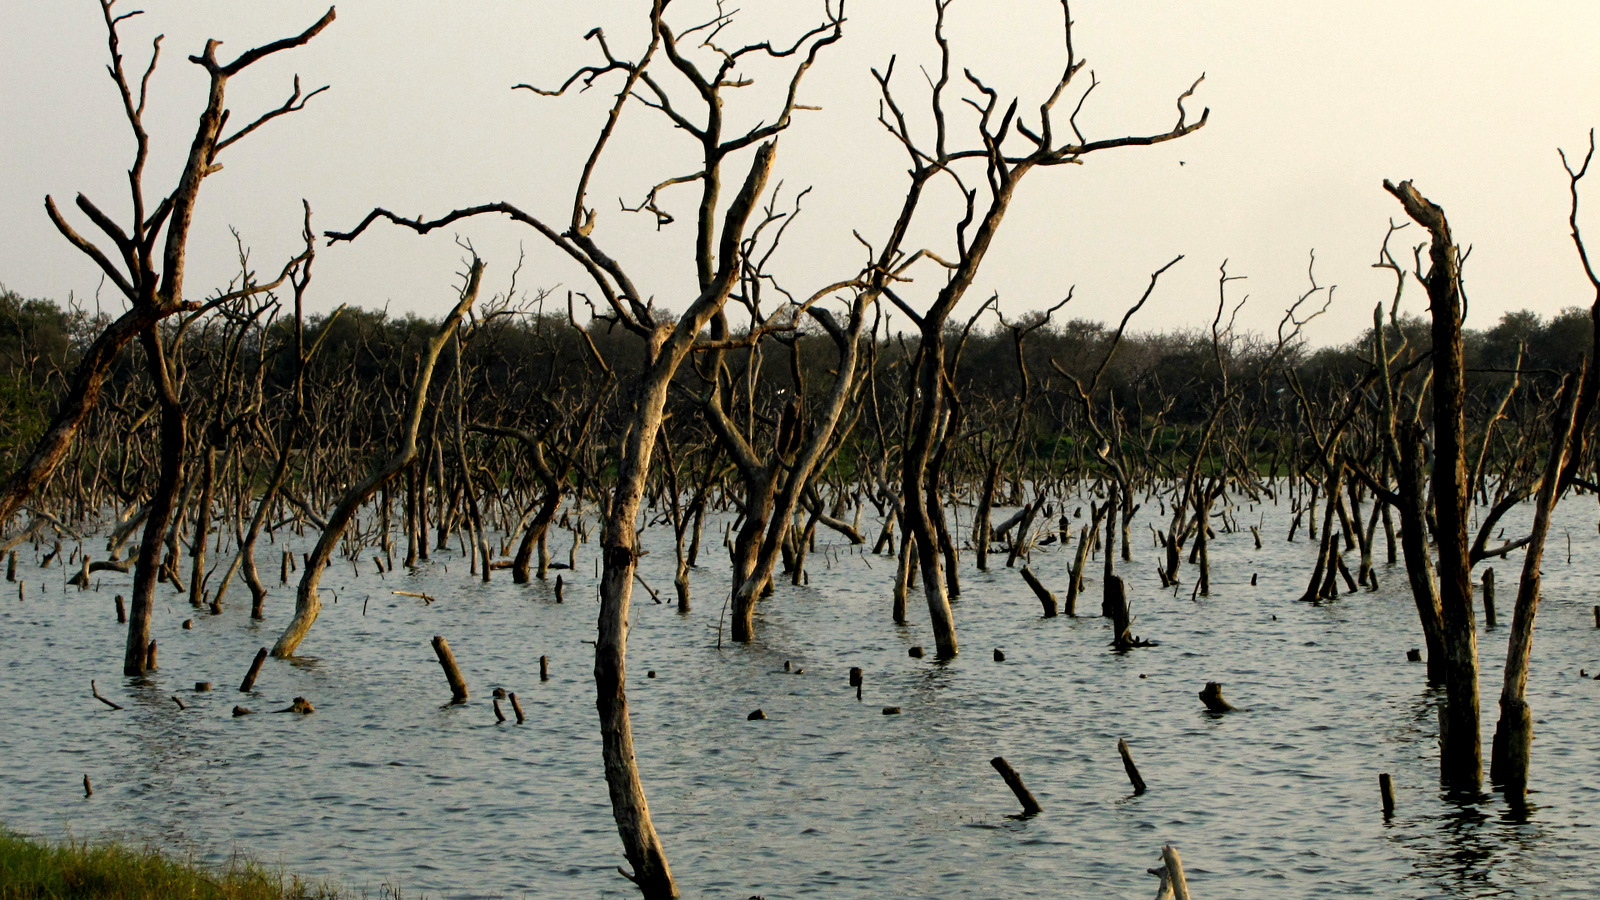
{"type": "Point", "coordinates": [1312, 105]}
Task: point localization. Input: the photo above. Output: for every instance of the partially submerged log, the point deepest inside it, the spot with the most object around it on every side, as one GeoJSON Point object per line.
{"type": "Point", "coordinates": [1127, 764]}
{"type": "Point", "coordinates": [95, 690]}
{"type": "Point", "coordinates": [255, 670]}
{"type": "Point", "coordinates": [1030, 806]}
{"type": "Point", "coordinates": [1046, 599]}
{"type": "Point", "coordinates": [452, 672]}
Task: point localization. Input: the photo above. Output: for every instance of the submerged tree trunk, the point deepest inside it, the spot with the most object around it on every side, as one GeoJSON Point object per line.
{"type": "Point", "coordinates": [1460, 750]}
{"type": "Point", "coordinates": [307, 603]}
{"type": "Point", "coordinates": [1513, 734]}
{"type": "Point", "coordinates": [174, 442]}
{"type": "Point", "coordinates": [915, 491]}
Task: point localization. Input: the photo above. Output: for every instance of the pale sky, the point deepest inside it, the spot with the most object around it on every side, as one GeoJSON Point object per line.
{"type": "Point", "coordinates": [1312, 105]}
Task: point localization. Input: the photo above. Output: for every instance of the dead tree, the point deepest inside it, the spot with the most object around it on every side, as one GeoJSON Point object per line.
{"type": "Point", "coordinates": [1513, 736]}
{"type": "Point", "coordinates": [153, 288]}
{"type": "Point", "coordinates": [1460, 750]}
{"type": "Point", "coordinates": [1006, 148]}
{"type": "Point", "coordinates": [1000, 453]}
{"type": "Point", "coordinates": [307, 601]}
{"type": "Point", "coordinates": [1513, 733]}
{"type": "Point", "coordinates": [718, 265]}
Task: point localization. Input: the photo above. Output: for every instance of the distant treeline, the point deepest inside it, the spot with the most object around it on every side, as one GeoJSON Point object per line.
{"type": "Point", "coordinates": [528, 368]}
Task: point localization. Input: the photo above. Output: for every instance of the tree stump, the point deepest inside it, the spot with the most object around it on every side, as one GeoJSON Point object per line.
{"type": "Point", "coordinates": [1127, 764]}
{"type": "Point", "coordinates": [255, 670]}
{"type": "Point", "coordinates": [1212, 698]}
{"type": "Point", "coordinates": [452, 672]}
{"type": "Point", "coordinates": [1030, 806]}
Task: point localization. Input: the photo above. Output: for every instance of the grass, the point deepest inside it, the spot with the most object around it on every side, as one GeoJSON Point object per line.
{"type": "Point", "coordinates": [32, 870]}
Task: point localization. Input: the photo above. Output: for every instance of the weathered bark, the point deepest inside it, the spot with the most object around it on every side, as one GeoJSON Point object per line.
{"type": "Point", "coordinates": [619, 551]}
{"type": "Point", "coordinates": [1460, 751]}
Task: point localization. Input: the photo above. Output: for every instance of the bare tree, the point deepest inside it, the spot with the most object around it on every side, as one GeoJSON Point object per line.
{"type": "Point", "coordinates": [719, 237]}
{"type": "Point", "coordinates": [153, 289]}
{"type": "Point", "coordinates": [1006, 148]}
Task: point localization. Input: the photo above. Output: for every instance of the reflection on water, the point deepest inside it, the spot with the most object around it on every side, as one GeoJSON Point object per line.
{"type": "Point", "coordinates": [827, 797]}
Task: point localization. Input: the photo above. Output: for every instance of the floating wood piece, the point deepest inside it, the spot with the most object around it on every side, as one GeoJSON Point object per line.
{"type": "Point", "coordinates": [200, 687]}
{"type": "Point", "coordinates": [1386, 788]}
{"type": "Point", "coordinates": [1180, 885]}
{"type": "Point", "coordinates": [188, 624]}
{"type": "Point", "coordinates": [95, 690]}
{"type": "Point", "coordinates": [1046, 599]}
{"type": "Point", "coordinates": [1488, 599]}
{"type": "Point", "coordinates": [1414, 655]}
{"type": "Point", "coordinates": [241, 711]}
{"type": "Point", "coordinates": [1030, 806]}
{"type": "Point", "coordinates": [914, 653]}
{"type": "Point", "coordinates": [178, 701]}
{"type": "Point", "coordinates": [755, 716]}
{"type": "Point", "coordinates": [1127, 763]}
{"type": "Point", "coordinates": [1212, 698]}
{"type": "Point", "coordinates": [517, 707]}
{"type": "Point", "coordinates": [891, 710]}
{"type": "Point", "coordinates": [999, 655]}
{"type": "Point", "coordinates": [425, 598]}
{"type": "Point", "coordinates": [452, 672]}
{"type": "Point", "coordinates": [255, 670]}
{"type": "Point", "coordinates": [300, 705]}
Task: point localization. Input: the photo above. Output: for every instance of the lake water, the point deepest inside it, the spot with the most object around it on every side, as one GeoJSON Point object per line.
{"type": "Point", "coordinates": [828, 797]}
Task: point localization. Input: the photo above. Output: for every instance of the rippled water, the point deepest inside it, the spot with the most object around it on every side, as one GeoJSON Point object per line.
{"type": "Point", "coordinates": [828, 797]}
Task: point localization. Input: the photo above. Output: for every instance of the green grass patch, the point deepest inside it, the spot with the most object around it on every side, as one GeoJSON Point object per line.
{"type": "Point", "coordinates": [72, 870]}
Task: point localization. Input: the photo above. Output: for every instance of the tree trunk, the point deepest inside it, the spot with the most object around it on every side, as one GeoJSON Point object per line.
{"type": "Point", "coordinates": [174, 442]}
{"type": "Point", "coordinates": [1513, 734]}
{"type": "Point", "coordinates": [307, 603]}
{"type": "Point", "coordinates": [1460, 751]}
